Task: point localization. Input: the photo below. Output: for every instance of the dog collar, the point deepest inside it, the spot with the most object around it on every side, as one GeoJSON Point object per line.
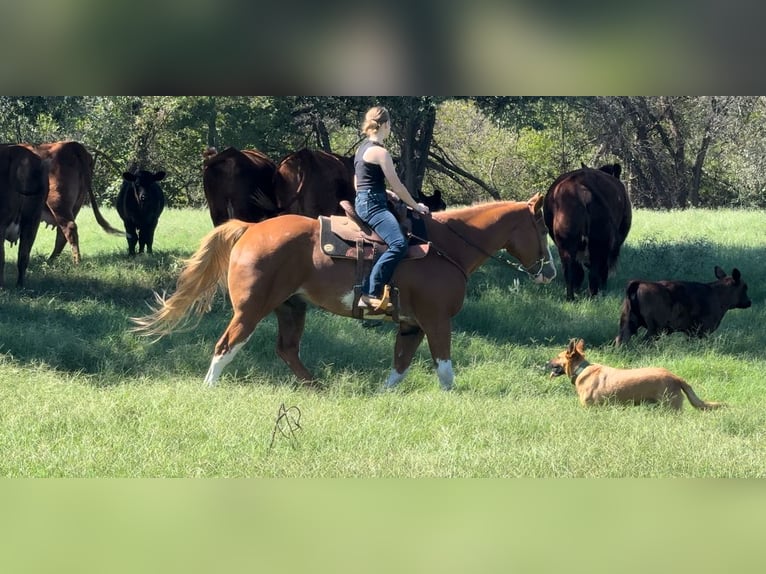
{"type": "Point", "coordinates": [578, 371]}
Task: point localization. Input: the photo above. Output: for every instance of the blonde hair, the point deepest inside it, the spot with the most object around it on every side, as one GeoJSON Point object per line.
{"type": "Point", "coordinates": [374, 119]}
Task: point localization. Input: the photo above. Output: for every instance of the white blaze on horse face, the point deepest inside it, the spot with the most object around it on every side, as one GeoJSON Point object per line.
{"type": "Point", "coordinates": [544, 278]}
{"type": "Point", "coordinates": [219, 363]}
{"type": "Point", "coordinates": [445, 374]}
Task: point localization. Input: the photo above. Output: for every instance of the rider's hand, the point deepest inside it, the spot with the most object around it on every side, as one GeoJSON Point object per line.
{"type": "Point", "coordinates": [421, 209]}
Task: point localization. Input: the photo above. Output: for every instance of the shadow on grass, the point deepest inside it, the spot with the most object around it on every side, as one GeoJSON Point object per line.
{"type": "Point", "coordinates": [76, 319]}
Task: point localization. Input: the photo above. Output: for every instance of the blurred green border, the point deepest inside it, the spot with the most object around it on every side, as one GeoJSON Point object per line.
{"type": "Point", "coordinates": [392, 526]}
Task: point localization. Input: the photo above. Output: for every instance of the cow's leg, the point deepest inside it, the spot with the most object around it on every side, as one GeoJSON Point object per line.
{"type": "Point", "coordinates": [652, 328]}
{"type": "Point", "coordinates": [599, 269]}
{"type": "Point", "coordinates": [628, 327]}
{"type": "Point", "coordinates": [291, 318]}
{"type": "Point", "coordinates": [26, 240]}
{"type": "Point", "coordinates": [141, 234]}
{"type": "Point", "coordinates": [131, 234]}
{"type": "Point", "coordinates": [573, 273]}
{"type": "Point", "coordinates": [66, 232]}
{"type": "Point", "coordinates": [408, 340]}
{"type": "Point", "coordinates": [2, 259]}
{"type": "Point", "coordinates": [147, 235]}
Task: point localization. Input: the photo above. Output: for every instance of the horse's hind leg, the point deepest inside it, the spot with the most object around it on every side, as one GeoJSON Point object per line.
{"type": "Point", "coordinates": [408, 340]}
{"type": "Point", "coordinates": [231, 342]}
{"type": "Point", "coordinates": [291, 317]}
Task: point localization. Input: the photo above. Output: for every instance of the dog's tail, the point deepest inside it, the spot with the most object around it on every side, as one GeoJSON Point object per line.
{"type": "Point", "coordinates": [696, 401]}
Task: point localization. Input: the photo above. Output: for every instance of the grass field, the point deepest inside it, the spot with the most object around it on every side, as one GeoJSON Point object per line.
{"type": "Point", "coordinates": [80, 396]}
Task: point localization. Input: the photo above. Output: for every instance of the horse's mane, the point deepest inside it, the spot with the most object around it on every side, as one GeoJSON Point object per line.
{"type": "Point", "coordinates": [468, 210]}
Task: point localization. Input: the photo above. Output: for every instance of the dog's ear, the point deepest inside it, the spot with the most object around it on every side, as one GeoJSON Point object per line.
{"type": "Point", "coordinates": [571, 346]}
{"type": "Point", "coordinates": [580, 346]}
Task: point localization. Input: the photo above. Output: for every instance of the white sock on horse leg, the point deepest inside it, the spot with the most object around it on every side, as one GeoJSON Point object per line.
{"type": "Point", "coordinates": [445, 374]}
{"type": "Point", "coordinates": [395, 378]}
{"type": "Point", "coordinates": [218, 364]}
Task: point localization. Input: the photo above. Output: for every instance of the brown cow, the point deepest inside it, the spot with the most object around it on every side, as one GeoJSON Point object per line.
{"type": "Point", "coordinates": [70, 185]}
{"type": "Point", "coordinates": [239, 185]}
{"type": "Point", "coordinates": [588, 214]}
{"type": "Point", "coordinates": [23, 189]}
{"type": "Point", "coordinates": [686, 306]}
{"type": "Point", "coordinates": [313, 183]}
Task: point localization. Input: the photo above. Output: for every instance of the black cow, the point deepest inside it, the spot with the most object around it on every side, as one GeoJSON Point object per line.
{"type": "Point", "coordinates": [140, 203]}
{"type": "Point", "coordinates": [588, 215]}
{"type": "Point", "coordinates": [670, 306]}
{"type": "Point", "coordinates": [23, 189]}
{"type": "Point", "coordinates": [613, 169]}
{"type": "Point", "coordinates": [434, 202]}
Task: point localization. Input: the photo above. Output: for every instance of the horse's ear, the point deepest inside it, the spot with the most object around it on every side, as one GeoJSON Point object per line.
{"type": "Point", "coordinates": [127, 176]}
{"type": "Point", "coordinates": [536, 202]}
{"type": "Point", "coordinates": [719, 273]}
{"type": "Point", "coordinates": [159, 176]}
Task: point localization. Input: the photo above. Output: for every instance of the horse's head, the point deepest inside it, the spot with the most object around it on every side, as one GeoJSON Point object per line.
{"type": "Point", "coordinates": [530, 243]}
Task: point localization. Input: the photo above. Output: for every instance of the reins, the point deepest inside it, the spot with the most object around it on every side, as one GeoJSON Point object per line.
{"type": "Point", "coordinates": [518, 266]}
{"type": "Point", "coordinates": [440, 253]}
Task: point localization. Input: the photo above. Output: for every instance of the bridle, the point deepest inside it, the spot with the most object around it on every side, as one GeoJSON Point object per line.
{"type": "Point", "coordinates": [534, 270]}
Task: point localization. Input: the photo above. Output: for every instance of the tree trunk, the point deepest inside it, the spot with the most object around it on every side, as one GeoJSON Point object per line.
{"type": "Point", "coordinates": [212, 123]}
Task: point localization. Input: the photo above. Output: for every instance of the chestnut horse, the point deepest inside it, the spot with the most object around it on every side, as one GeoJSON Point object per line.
{"type": "Point", "coordinates": [267, 263]}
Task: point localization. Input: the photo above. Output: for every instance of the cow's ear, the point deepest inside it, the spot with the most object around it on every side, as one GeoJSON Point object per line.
{"type": "Point", "coordinates": [719, 273]}
{"type": "Point", "coordinates": [159, 176]}
{"type": "Point", "coordinates": [580, 346]}
{"type": "Point", "coordinates": [736, 275]}
{"type": "Point", "coordinates": [127, 176]}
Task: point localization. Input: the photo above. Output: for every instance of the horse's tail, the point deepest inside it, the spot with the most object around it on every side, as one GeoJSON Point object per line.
{"type": "Point", "coordinates": [696, 401]}
{"type": "Point", "coordinates": [201, 277]}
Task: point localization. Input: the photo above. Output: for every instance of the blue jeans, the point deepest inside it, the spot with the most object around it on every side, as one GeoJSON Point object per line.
{"type": "Point", "coordinates": [372, 207]}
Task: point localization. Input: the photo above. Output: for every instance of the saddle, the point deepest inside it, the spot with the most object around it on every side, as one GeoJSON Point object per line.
{"type": "Point", "coordinates": [348, 237]}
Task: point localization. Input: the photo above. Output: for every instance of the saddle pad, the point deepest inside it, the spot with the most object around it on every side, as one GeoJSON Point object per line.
{"type": "Point", "coordinates": [339, 235]}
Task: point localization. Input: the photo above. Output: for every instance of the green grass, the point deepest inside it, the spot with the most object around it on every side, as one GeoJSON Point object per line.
{"type": "Point", "coordinates": [80, 396]}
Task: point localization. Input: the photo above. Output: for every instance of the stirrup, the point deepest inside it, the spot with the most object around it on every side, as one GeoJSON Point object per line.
{"type": "Point", "coordinates": [377, 306]}
{"type": "Point", "coordinates": [385, 300]}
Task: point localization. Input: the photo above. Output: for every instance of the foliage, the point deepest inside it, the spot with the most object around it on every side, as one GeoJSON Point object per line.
{"type": "Point", "coordinates": [677, 151]}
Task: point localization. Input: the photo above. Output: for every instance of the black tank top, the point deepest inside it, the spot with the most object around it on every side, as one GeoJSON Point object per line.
{"type": "Point", "coordinates": [369, 176]}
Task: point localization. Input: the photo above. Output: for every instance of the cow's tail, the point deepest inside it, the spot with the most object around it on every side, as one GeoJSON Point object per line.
{"type": "Point", "coordinates": [630, 313]}
{"type": "Point", "coordinates": [696, 401]}
{"type": "Point", "coordinates": [99, 218]}
{"type": "Point", "coordinates": [198, 283]}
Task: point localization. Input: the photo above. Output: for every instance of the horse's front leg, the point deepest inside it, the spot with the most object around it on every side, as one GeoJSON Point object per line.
{"type": "Point", "coordinates": [408, 340]}
{"type": "Point", "coordinates": [440, 343]}
{"type": "Point", "coordinates": [291, 317]}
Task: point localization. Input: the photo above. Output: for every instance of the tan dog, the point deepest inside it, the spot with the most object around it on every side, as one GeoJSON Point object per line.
{"type": "Point", "coordinates": [597, 384]}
